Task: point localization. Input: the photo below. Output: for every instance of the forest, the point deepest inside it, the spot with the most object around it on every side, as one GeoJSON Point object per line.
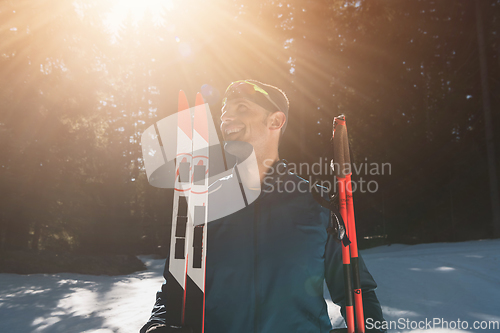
{"type": "Point", "coordinates": [80, 81]}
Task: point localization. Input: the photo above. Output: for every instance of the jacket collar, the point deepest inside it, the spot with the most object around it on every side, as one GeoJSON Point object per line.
{"type": "Point", "coordinates": [278, 170]}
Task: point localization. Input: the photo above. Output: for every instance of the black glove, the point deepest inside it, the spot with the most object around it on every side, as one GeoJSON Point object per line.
{"type": "Point", "coordinates": [161, 328]}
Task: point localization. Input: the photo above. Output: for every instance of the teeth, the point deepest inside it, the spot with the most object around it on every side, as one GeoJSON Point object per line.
{"type": "Point", "coordinates": [233, 130]}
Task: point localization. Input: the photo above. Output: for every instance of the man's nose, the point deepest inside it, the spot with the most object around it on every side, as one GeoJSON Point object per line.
{"type": "Point", "coordinates": [227, 116]}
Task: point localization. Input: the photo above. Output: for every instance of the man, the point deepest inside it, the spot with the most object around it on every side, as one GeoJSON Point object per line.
{"type": "Point", "coordinates": [267, 263]}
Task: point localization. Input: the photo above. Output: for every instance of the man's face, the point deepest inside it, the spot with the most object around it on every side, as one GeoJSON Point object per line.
{"type": "Point", "coordinates": [243, 120]}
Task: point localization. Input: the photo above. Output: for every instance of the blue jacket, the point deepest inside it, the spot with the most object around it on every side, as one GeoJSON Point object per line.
{"type": "Point", "coordinates": [266, 265]}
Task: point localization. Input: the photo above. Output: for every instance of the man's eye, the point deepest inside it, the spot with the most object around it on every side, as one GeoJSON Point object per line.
{"type": "Point", "coordinates": [242, 108]}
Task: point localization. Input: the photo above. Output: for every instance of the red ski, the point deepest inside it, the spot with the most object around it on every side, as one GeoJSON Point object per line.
{"type": "Point", "coordinates": [185, 285]}
{"type": "Point", "coordinates": [176, 279]}
{"type": "Point", "coordinates": [197, 223]}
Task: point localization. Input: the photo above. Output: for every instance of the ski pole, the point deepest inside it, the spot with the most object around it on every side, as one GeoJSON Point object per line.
{"type": "Point", "coordinates": [346, 260]}
{"type": "Point", "coordinates": [351, 231]}
{"type": "Point", "coordinates": [339, 158]}
{"type": "Point", "coordinates": [349, 253]}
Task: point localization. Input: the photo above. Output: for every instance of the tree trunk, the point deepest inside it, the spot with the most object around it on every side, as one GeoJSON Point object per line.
{"type": "Point", "coordinates": [36, 236]}
{"type": "Point", "coordinates": [490, 146]}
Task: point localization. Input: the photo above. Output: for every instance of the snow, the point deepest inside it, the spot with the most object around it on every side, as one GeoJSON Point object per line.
{"type": "Point", "coordinates": [441, 281]}
{"type": "Point", "coordinates": [437, 282]}
{"type": "Point", "coordinates": [79, 303]}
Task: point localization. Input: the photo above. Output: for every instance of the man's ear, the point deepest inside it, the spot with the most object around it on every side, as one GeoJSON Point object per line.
{"type": "Point", "coordinates": [277, 120]}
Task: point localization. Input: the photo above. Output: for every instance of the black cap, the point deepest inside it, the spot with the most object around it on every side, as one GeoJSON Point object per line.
{"type": "Point", "coordinates": [269, 97]}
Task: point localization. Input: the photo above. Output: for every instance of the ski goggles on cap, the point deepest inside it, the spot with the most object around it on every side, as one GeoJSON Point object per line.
{"type": "Point", "coordinates": [269, 97]}
{"type": "Point", "coordinates": [251, 91]}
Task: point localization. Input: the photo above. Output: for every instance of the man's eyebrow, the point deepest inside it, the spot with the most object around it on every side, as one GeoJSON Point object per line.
{"type": "Point", "coordinates": [239, 100]}
{"type": "Point", "coordinates": [235, 102]}
{"type": "Point", "coordinates": [243, 103]}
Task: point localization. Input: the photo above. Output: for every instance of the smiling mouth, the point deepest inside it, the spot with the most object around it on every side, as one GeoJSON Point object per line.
{"type": "Point", "coordinates": [233, 130]}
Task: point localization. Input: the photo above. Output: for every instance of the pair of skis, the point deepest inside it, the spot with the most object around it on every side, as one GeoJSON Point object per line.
{"type": "Point", "coordinates": [185, 282]}
{"type": "Point", "coordinates": [346, 206]}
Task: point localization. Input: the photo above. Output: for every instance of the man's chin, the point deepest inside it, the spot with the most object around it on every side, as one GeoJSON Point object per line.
{"type": "Point", "coordinates": [240, 149]}
{"type": "Point", "coordinates": [230, 137]}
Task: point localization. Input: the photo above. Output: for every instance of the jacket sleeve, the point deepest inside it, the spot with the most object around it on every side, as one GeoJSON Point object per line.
{"type": "Point", "coordinates": [159, 313]}
{"type": "Point", "coordinates": [334, 277]}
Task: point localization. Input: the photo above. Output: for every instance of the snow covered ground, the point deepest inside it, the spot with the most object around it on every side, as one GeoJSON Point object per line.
{"type": "Point", "coordinates": [433, 282]}
{"type": "Point", "coordinates": [440, 281]}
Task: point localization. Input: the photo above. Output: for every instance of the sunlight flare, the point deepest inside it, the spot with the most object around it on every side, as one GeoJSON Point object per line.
{"type": "Point", "coordinates": [136, 9]}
